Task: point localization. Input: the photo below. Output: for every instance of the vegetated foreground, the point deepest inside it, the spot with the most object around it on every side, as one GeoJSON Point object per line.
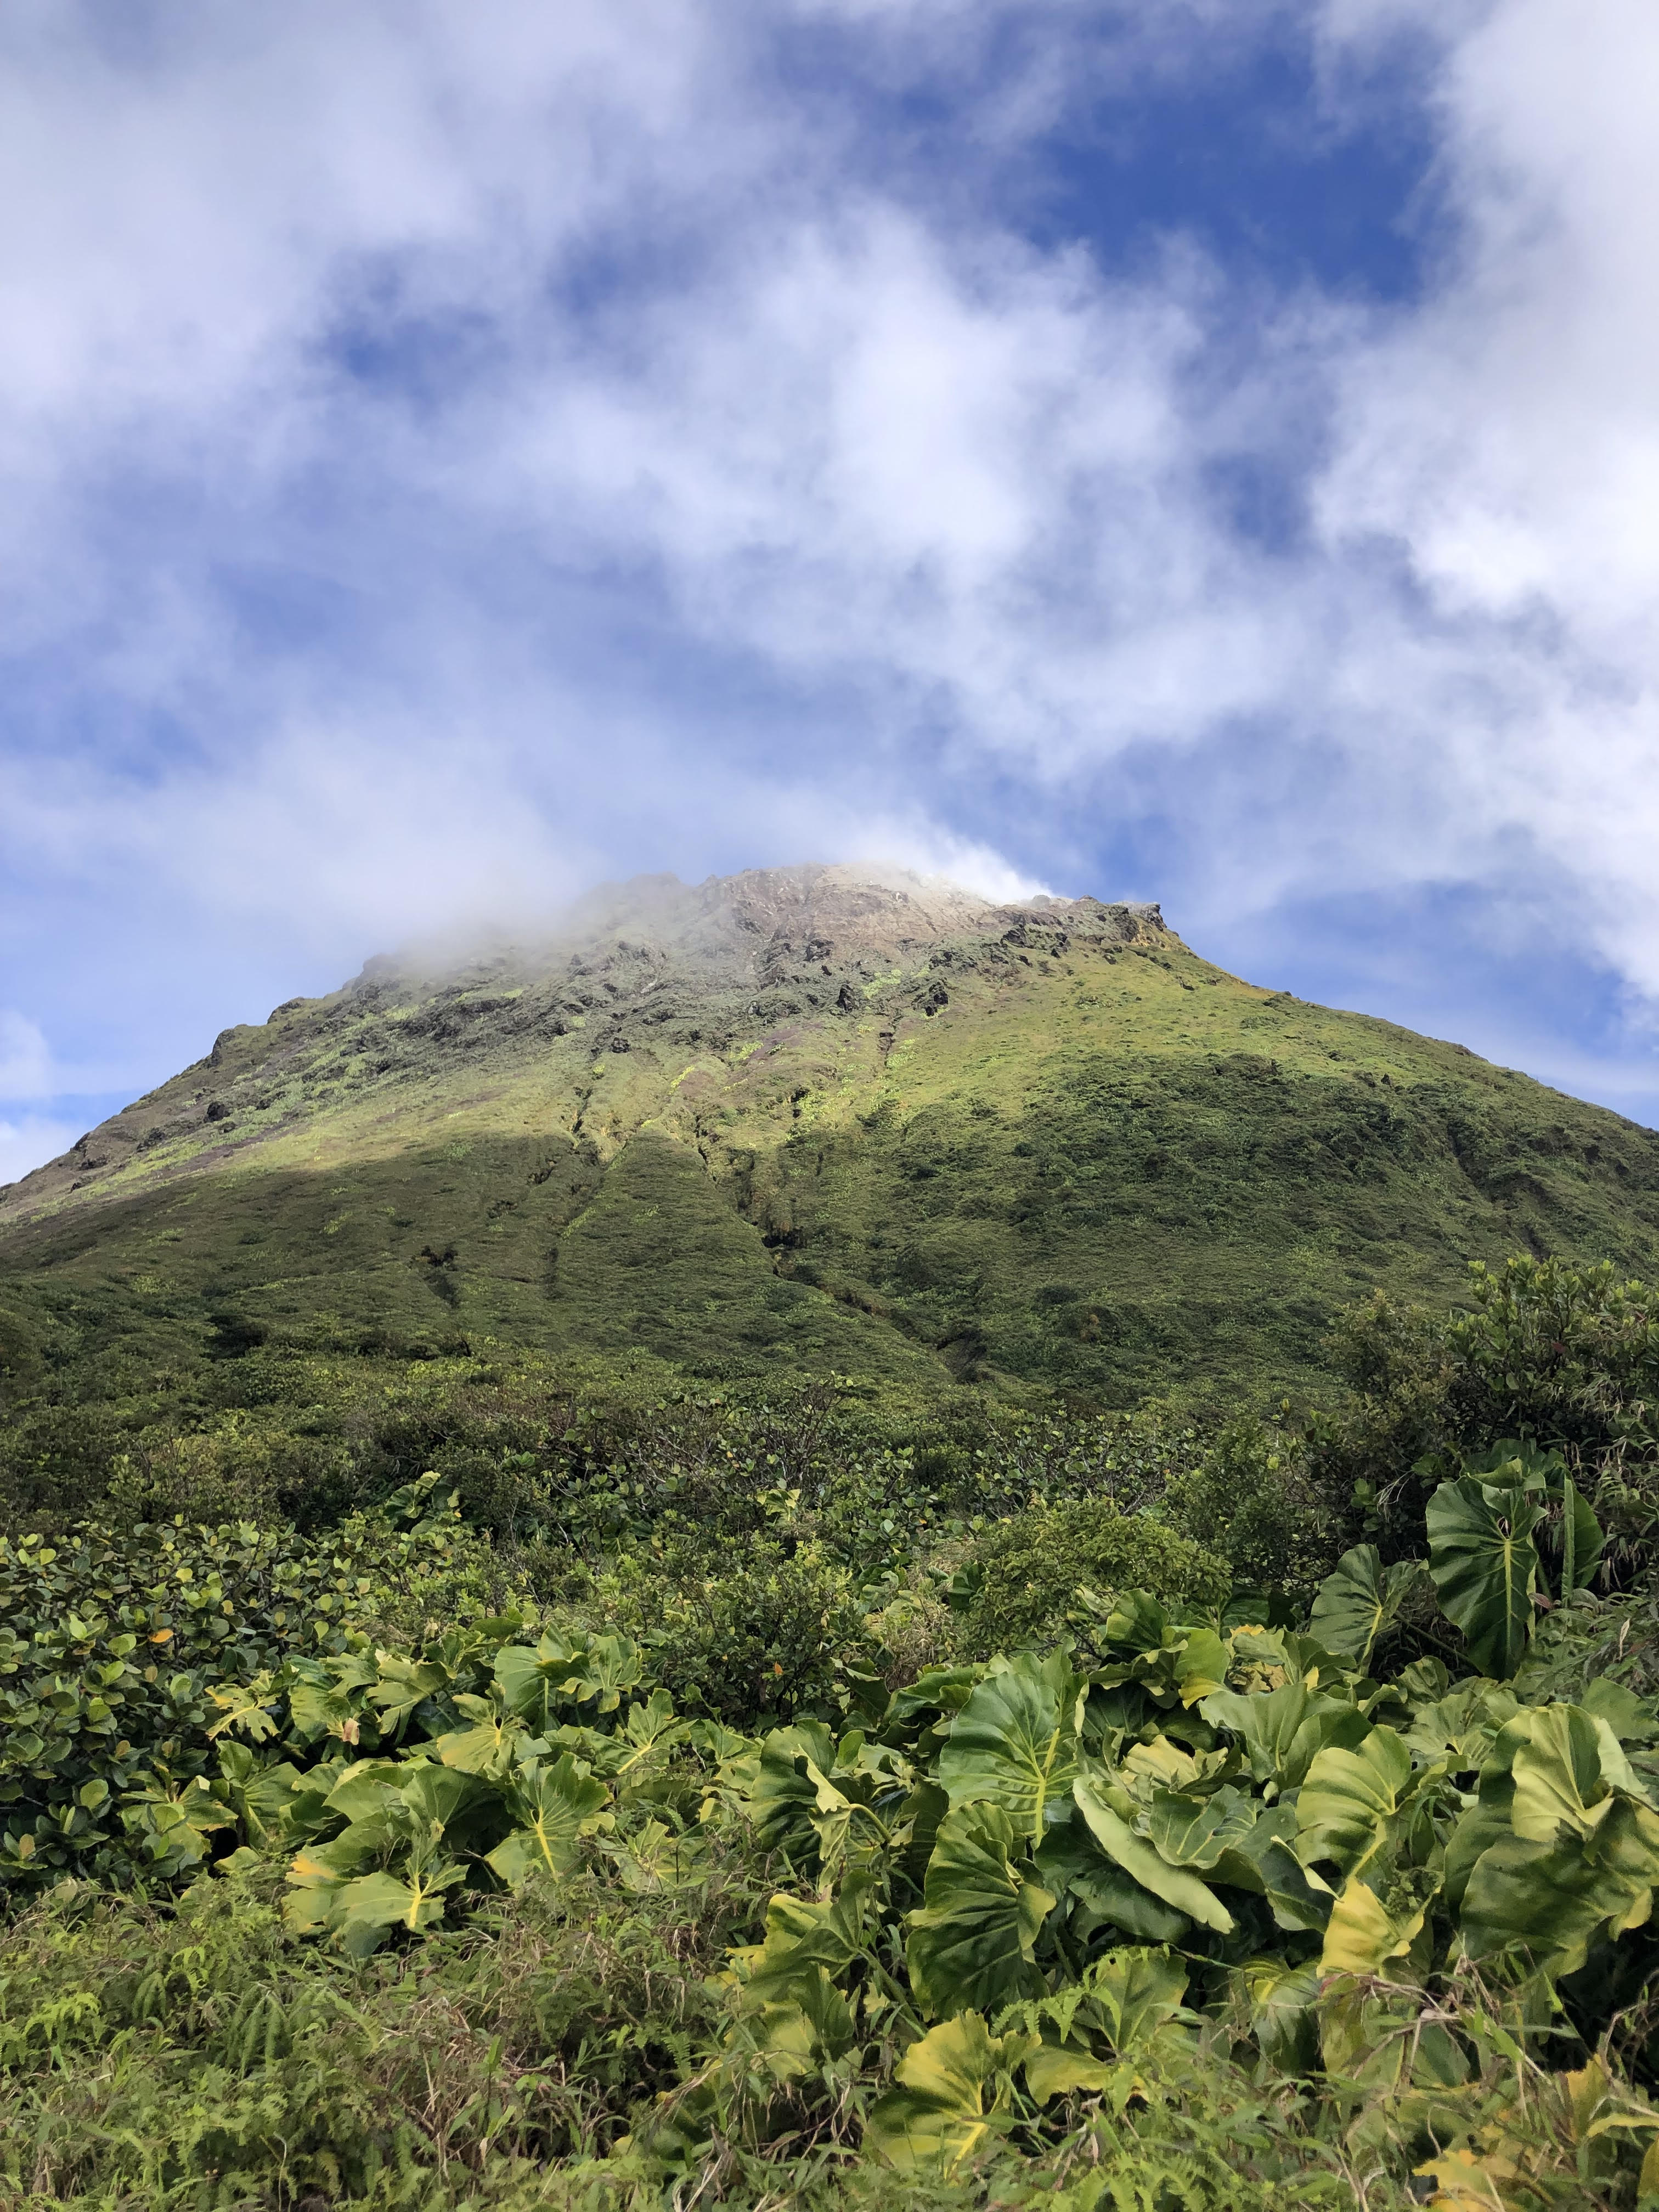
{"type": "Point", "coordinates": [507, 1784]}
{"type": "Point", "coordinates": [828, 1120]}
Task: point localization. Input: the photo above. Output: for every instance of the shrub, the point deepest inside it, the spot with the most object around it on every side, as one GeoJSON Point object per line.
{"type": "Point", "coordinates": [1250, 1502]}
{"type": "Point", "coordinates": [1567, 1356]}
{"type": "Point", "coordinates": [112, 1640]}
{"type": "Point", "coordinates": [753, 1636]}
{"type": "Point", "coordinates": [1030, 1568]}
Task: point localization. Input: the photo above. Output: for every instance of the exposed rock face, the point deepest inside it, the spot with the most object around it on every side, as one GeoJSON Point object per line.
{"type": "Point", "coordinates": [688, 963]}
{"type": "Point", "coordinates": [768, 922]}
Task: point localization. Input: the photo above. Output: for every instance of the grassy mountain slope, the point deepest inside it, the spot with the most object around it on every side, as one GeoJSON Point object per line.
{"type": "Point", "coordinates": [819, 1119]}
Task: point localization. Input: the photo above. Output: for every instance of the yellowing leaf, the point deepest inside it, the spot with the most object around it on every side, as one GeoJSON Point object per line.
{"type": "Point", "coordinates": [1201, 1668]}
{"type": "Point", "coordinates": [1051, 2072]}
{"type": "Point", "coordinates": [1361, 1934]}
{"type": "Point", "coordinates": [1466, 2182]}
{"type": "Point", "coordinates": [949, 2088]}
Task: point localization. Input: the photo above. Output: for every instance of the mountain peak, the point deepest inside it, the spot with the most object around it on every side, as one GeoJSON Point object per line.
{"type": "Point", "coordinates": [650, 963]}
{"type": "Point", "coordinates": [747, 925]}
{"type": "Point", "coordinates": [830, 1119]}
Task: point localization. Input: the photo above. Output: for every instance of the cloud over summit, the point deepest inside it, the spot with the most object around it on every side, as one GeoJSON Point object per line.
{"type": "Point", "coordinates": [449, 456]}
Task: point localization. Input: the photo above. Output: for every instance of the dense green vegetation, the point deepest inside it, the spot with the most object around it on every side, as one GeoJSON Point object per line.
{"type": "Point", "coordinates": [496, 1781]}
{"type": "Point", "coordinates": [831, 1545]}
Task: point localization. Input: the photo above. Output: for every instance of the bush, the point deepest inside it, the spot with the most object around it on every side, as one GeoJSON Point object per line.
{"type": "Point", "coordinates": [112, 1640]}
{"type": "Point", "coordinates": [753, 1636]}
{"type": "Point", "coordinates": [1030, 1568]}
{"type": "Point", "coordinates": [1251, 1503]}
{"type": "Point", "coordinates": [58, 1460]}
{"type": "Point", "coordinates": [1567, 1356]}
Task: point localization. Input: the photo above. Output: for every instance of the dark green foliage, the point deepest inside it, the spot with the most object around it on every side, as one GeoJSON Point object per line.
{"type": "Point", "coordinates": [1561, 1355]}
{"type": "Point", "coordinates": [1164, 1215]}
{"type": "Point", "coordinates": [1248, 1498]}
{"type": "Point", "coordinates": [198, 2055]}
{"type": "Point", "coordinates": [1029, 1570]}
{"type": "Point", "coordinates": [113, 1641]}
{"type": "Point", "coordinates": [53, 1457]}
{"type": "Point", "coordinates": [645, 1833]}
{"type": "Point", "coordinates": [1099, 1167]}
{"type": "Point", "coordinates": [753, 1631]}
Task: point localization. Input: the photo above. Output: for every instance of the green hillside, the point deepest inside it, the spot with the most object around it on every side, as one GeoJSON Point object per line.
{"type": "Point", "coordinates": [656, 1570]}
{"type": "Point", "coordinates": [814, 1121]}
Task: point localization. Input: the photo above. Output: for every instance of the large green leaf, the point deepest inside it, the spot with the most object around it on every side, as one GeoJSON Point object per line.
{"type": "Point", "coordinates": [647, 1730]}
{"type": "Point", "coordinates": [1053, 2069]}
{"type": "Point", "coordinates": [441, 1802]}
{"type": "Point", "coordinates": [1550, 1900]}
{"type": "Point", "coordinates": [806, 1935]}
{"type": "Point", "coordinates": [791, 1786]}
{"type": "Point", "coordinates": [403, 1687]}
{"type": "Point", "coordinates": [593, 1670]}
{"type": "Point", "coordinates": [950, 2088]}
{"type": "Point", "coordinates": [1484, 1567]}
{"type": "Point", "coordinates": [1137, 1992]}
{"type": "Point", "coordinates": [1200, 1666]}
{"type": "Point", "coordinates": [1123, 2001]}
{"type": "Point", "coordinates": [657, 1857]}
{"type": "Point", "coordinates": [1460, 1728]}
{"type": "Point", "coordinates": [1631, 1720]}
{"type": "Point", "coordinates": [1581, 1540]}
{"type": "Point", "coordinates": [1488, 1819]}
{"type": "Point", "coordinates": [1095, 1892]}
{"type": "Point", "coordinates": [972, 1942]}
{"type": "Point", "coordinates": [1138, 1859]}
{"type": "Point", "coordinates": [359, 1910]}
{"type": "Point", "coordinates": [1136, 1623]}
{"type": "Point", "coordinates": [266, 1797]}
{"type": "Point", "coordinates": [1516, 1463]}
{"type": "Point", "coordinates": [1264, 1861]}
{"type": "Point", "coordinates": [1197, 1832]}
{"type": "Point", "coordinates": [795, 2034]}
{"type": "Point", "coordinates": [551, 1808]}
{"type": "Point", "coordinates": [370, 1907]}
{"type": "Point", "coordinates": [488, 1746]}
{"type": "Point", "coordinates": [1358, 1601]}
{"type": "Point", "coordinates": [1564, 1775]}
{"type": "Point", "coordinates": [1280, 1730]}
{"type": "Point", "coordinates": [1014, 1743]}
{"type": "Point", "coordinates": [1284, 2020]}
{"type": "Point", "coordinates": [367, 1786]}
{"type": "Point", "coordinates": [1347, 1811]}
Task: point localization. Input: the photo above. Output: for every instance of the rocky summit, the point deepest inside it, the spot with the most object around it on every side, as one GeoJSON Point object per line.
{"type": "Point", "coordinates": [832, 1119]}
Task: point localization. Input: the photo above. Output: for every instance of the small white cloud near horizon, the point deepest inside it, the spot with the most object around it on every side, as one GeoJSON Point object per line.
{"type": "Point", "coordinates": [25, 1063]}
{"type": "Point", "coordinates": [29, 1143]}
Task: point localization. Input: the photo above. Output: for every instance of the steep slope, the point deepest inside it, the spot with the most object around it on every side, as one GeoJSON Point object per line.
{"type": "Point", "coordinates": [823, 1118]}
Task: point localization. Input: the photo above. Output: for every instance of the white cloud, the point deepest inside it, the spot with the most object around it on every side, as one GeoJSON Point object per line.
{"type": "Point", "coordinates": [26, 1068]}
{"type": "Point", "coordinates": [29, 1143]}
{"type": "Point", "coordinates": [1501, 445]}
{"type": "Point", "coordinates": [448, 455]}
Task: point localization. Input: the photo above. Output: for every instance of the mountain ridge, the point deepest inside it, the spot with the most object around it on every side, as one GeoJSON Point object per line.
{"type": "Point", "coordinates": [775, 929]}
{"type": "Point", "coordinates": [831, 1119]}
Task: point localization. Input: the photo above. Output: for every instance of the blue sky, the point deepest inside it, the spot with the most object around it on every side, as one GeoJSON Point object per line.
{"type": "Point", "coordinates": [1194, 451]}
